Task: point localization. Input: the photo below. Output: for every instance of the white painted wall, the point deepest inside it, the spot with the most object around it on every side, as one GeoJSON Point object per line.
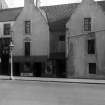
{"type": "Point", "coordinates": [40, 32]}
{"type": "Point", "coordinates": [88, 8]}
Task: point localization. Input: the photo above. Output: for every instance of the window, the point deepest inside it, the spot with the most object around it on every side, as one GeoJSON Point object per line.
{"type": "Point", "coordinates": [62, 38]}
{"type": "Point", "coordinates": [92, 68]}
{"type": "Point", "coordinates": [91, 46]}
{"type": "Point", "coordinates": [5, 46]}
{"type": "Point", "coordinates": [7, 29]}
{"type": "Point", "coordinates": [27, 27]}
{"type": "Point", "coordinates": [27, 48]}
{"type": "Point", "coordinates": [87, 24]}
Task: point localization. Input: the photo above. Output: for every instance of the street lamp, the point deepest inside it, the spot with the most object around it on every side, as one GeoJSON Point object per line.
{"type": "Point", "coordinates": [11, 59]}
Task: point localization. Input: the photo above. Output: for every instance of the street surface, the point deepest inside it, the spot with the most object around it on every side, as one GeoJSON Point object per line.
{"type": "Point", "coordinates": [50, 93]}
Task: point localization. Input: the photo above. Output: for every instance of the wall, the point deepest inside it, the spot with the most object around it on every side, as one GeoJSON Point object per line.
{"type": "Point", "coordinates": [80, 57]}
{"type": "Point", "coordinates": [57, 46]}
{"type": "Point", "coordinates": [39, 32]}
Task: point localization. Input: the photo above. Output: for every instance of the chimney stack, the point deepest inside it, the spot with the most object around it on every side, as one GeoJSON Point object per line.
{"type": "Point", "coordinates": [88, 1]}
{"type": "Point", "coordinates": [28, 2]}
{"type": "Point", "coordinates": [37, 3]}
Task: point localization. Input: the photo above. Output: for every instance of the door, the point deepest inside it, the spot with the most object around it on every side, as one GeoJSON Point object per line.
{"type": "Point", "coordinates": [37, 69]}
{"type": "Point", "coordinates": [16, 69]}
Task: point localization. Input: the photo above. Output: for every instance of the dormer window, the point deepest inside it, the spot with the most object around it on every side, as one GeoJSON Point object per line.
{"type": "Point", "coordinates": [27, 27]}
{"type": "Point", "coordinates": [7, 29]}
{"type": "Point", "coordinates": [87, 24]}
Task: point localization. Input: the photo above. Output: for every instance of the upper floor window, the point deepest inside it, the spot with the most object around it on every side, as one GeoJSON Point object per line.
{"type": "Point", "coordinates": [87, 24]}
{"type": "Point", "coordinates": [62, 38]}
{"type": "Point", "coordinates": [91, 46]}
{"type": "Point", "coordinates": [27, 48]}
{"type": "Point", "coordinates": [91, 43]}
{"type": "Point", "coordinates": [7, 29]}
{"type": "Point", "coordinates": [27, 27]}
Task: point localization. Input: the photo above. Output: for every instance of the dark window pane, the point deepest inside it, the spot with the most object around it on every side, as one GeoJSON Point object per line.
{"type": "Point", "coordinates": [4, 46]}
{"type": "Point", "coordinates": [62, 38]}
{"type": "Point", "coordinates": [91, 46]}
{"type": "Point", "coordinates": [27, 27]}
{"type": "Point", "coordinates": [7, 29]}
{"type": "Point", "coordinates": [27, 48]}
{"type": "Point", "coordinates": [92, 68]}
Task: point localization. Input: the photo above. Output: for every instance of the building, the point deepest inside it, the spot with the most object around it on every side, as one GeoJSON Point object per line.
{"type": "Point", "coordinates": [34, 54]}
{"type": "Point", "coordinates": [50, 41]}
{"type": "Point", "coordinates": [85, 41]}
{"type": "Point", "coordinates": [30, 35]}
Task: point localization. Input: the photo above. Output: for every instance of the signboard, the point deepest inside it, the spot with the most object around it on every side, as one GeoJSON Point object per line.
{"type": "Point", "coordinates": [27, 74]}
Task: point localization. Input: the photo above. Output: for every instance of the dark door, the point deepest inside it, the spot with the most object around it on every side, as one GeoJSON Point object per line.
{"type": "Point", "coordinates": [60, 69]}
{"type": "Point", "coordinates": [16, 69]}
{"type": "Point", "coordinates": [37, 68]}
{"type": "Point", "coordinates": [4, 55]}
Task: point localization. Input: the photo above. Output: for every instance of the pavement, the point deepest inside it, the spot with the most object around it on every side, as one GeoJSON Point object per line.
{"type": "Point", "coordinates": [62, 80]}
{"type": "Point", "coordinates": [17, 92]}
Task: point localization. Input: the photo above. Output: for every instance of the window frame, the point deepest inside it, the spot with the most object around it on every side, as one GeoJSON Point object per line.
{"type": "Point", "coordinates": [62, 38]}
{"type": "Point", "coordinates": [91, 36]}
{"type": "Point", "coordinates": [27, 27]}
{"type": "Point", "coordinates": [87, 24]}
{"type": "Point", "coordinates": [91, 70]}
{"type": "Point", "coordinates": [6, 29]}
{"type": "Point", "coordinates": [27, 51]}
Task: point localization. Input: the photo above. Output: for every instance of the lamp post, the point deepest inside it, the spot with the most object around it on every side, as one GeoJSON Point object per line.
{"type": "Point", "coordinates": [11, 59]}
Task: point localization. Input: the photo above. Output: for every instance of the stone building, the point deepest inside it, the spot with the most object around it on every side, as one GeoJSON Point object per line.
{"type": "Point", "coordinates": [53, 41]}
{"type": "Point", "coordinates": [29, 30]}
{"type": "Point", "coordinates": [85, 41]}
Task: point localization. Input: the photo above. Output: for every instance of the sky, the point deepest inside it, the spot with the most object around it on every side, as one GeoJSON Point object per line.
{"type": "Point", "coordinates": [19, 3]}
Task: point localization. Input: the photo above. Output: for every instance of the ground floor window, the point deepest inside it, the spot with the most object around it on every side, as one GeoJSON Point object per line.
{"type": "Point", "coordinates": [92, 68]}
{"type": "Point", "coordinates": [60, 68]}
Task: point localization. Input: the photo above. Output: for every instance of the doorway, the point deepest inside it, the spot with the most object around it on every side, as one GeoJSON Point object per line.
{"type": "Point", "coordinates": [60, 69]}
{"type": "Point", "coordinates": [16, 69]}
{"type": "Point", "coordinates": [5, 65]}
{"type": "Point", "coordinates": [37, 69]}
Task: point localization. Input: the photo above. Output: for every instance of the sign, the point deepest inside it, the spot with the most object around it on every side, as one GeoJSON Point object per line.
{"type": "Point", "coordinates": [27, 74]}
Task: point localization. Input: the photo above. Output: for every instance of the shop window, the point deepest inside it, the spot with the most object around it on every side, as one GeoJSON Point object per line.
{"type": "Point", "coordinates": [92, 68]}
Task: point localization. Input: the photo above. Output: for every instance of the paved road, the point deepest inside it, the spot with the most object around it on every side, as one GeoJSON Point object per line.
{"type": "Point", "coordinates": [46, 93]}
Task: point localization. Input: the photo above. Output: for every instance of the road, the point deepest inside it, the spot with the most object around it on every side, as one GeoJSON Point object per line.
{"type": "Point", "coordinates": [46, 93]}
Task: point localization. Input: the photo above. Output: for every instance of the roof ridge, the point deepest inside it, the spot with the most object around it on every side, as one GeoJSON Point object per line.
{"type": "Point", "coordinates": [7, 9]}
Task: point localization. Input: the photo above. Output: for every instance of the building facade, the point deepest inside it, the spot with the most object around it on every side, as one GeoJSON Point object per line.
{"type": "Point", "coordinates": [53, 41]}
{"type": "Point", "coordinates": [30, 35]}
{"type": "Point", "coordinates": [85, 41]}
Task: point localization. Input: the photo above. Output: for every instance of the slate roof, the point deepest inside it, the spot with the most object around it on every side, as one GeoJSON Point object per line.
{"type": "Point", "coordinates": [57, 15]}
{"type": "Point", "coordinates": [9, 14]}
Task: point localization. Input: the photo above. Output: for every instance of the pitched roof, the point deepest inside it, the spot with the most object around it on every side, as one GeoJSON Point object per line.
{"type": "Point", "coordinates": [57, 15]}
{"type": "Point", "coordinates": [9, 14]}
